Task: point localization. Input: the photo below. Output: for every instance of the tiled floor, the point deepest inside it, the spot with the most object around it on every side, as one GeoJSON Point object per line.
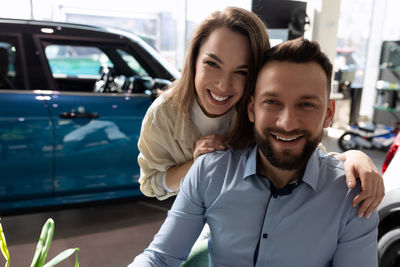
{"type": "Point", "coordinates": [108, 234]}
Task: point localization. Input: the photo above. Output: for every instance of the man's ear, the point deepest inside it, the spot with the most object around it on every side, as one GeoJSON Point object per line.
{"type": "Point", "coordinates": [250, 109]}
{"type": "Point", "coordinates": [329, 113]}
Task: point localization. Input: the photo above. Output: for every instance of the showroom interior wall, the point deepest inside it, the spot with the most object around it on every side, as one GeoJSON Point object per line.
{"type": "Point", "coordinates": [360, 25]}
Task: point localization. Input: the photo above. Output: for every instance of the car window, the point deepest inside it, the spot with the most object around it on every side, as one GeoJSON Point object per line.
{"type": "Point", "coordinates": [10, 70]}
{"type": "Point", "coordinates": [132, 63]}
{"type": "Point", "coordinates": [75, 61]}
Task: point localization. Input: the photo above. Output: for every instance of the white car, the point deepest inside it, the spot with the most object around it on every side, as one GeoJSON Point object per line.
{"type": "Point", "coordinates": [389, 215]}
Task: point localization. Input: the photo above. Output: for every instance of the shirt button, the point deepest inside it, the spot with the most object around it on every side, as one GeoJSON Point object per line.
{"type": "Point", "coordinates": [265, 235]}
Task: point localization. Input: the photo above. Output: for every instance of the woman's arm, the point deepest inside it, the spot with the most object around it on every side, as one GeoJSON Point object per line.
{"type": "Point", "coordinates": [175, 174]}
{"type": "Point", "coordinates": [358, 165]}
{"type": "Point", "coordinates": [204, 144]}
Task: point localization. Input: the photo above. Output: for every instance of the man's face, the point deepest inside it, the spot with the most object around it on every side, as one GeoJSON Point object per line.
{"type": "Point", "coordinates": [289, 110]}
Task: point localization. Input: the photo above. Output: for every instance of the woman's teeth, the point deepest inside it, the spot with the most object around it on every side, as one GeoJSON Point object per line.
{"type": "Point", "coordinates": [218, 98]}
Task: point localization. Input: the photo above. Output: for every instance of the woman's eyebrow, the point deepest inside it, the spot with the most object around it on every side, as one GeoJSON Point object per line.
{"type": "Point", "coordinates": [216, 58]}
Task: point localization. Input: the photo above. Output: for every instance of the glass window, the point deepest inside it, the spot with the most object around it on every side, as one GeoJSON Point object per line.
{"type": "Point", "coordinates": [353, 35]}
{"type": "Point", "coordinates": [132, 63]}
{"type": "Point", "coordinates": [9, 69]}
{"type": "Point", "coordinates": [76, 61]}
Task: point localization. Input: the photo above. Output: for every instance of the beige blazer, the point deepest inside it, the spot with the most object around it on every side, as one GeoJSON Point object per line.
{"type": "Point", "coordinates": [166, 139]}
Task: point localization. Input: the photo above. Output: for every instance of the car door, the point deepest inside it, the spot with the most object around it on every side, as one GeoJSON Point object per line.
{"type": "Point", "coordinates": [96, 134]}
{"type": "Point", "coordinates": [26, 133]}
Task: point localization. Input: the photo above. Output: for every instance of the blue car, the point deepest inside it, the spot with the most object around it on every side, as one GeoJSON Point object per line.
{"type": "Point", "coordinates": [72, 99]}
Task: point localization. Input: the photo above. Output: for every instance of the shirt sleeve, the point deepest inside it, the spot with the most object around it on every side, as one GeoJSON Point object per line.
{"type": "Point", "coordinates": [164, 184]}
{"type": "Point", "coordinates": [171, 245]}
{"type": "Point", "coordinates": [154, 158]}
{"type": "Point", "coordinates": [357, 244]}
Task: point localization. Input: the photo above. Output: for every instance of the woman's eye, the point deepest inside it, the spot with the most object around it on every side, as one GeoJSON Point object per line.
{"type": "Point", "coordinates": [242, 72]}
{"type": "Point", "coordinates": [211, 63]}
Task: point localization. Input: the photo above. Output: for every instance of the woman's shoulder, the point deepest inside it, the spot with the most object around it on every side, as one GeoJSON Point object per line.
{"type": "Point", "coordinates": [162, 106]}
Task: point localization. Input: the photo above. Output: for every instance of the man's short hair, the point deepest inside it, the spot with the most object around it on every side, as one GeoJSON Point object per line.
{"type": "Point", "coordinates": [299, 50]}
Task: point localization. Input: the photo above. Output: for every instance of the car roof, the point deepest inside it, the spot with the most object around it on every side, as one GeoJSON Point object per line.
{"type": "Point", "coordinates": [60, 28]}
{"type": "Point", "coordinates": [73, 29]}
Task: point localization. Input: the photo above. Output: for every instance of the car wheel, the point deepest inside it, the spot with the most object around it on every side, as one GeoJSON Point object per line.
{"type": "Point", "coordinates": [347, 141]}
{"type": "Point", "coordinates": [389, 249]}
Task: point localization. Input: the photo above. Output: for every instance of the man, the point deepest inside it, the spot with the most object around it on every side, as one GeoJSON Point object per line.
{"type": "Point", "coordinates": [281, 202]}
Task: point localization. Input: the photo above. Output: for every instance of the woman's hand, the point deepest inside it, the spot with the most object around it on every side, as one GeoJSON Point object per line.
{"type": "Point", "coordinates": [209, 143]}
{"type": "Point", "coordinates": [358, 165]}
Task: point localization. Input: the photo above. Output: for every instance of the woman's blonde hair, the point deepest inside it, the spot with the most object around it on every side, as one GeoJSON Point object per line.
{"type": "Point", "coordinates": [236, 19]}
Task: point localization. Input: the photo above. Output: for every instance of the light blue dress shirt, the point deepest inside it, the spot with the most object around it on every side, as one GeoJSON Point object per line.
{"type": "Point", "coordinates": [315, 225]}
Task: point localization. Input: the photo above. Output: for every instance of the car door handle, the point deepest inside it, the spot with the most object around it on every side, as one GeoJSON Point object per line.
{"type": "Point", "coordinates": [77, 115]}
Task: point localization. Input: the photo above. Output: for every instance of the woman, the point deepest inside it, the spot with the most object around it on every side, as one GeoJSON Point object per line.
{"type": "Point", "coordinates": [195, 115]}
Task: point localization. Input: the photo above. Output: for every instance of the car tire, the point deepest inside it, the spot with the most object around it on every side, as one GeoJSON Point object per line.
{"type": "Point", "coordinates": [347, 141]}
{"type": "Point", "coordinates": [389, 249]}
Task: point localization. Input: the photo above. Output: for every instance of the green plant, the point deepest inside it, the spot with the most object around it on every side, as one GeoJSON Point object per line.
{"type": "Point", "coordinates": [3, 246]}
{"type": "Point", "coordinates": [42, 248]}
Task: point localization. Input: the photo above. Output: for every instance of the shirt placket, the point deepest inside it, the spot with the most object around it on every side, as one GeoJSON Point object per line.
{"type": "Point", "coordinates": [270, 219]}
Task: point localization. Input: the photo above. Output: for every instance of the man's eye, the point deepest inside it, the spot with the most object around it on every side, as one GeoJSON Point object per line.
{"type": "Point", "coordinates": [271, 102]}
{"type": "Point", "coordinates": [307, 105]}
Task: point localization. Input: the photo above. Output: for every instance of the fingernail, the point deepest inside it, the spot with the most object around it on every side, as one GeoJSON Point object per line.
{"type": "Point", "coordinates": [354, 205]}
{"type": "Point", "coordinates": [350, 183]}
{"type": "Point", "coordinates": [210, 149]}
{"type": "Point", "coordinates": [360, 215]}
{"type": "Point", "coordinates": [221, 147]}
{"type": "Point", "coordinates": [368, 215]}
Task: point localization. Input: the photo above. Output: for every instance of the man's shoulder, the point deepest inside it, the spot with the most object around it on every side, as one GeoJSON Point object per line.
{"type": "Point", "coordinates": [332, 176]}
{"type": "Point", "coordinates": [330, 164]}
{"type": "Point", "coordinates": [230, 155]}
{"type": "Point", "coordinates": [225, 164]}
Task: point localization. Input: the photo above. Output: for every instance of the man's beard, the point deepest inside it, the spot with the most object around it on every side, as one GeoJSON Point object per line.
{"type": "Point", "coordinates": [286, 161]}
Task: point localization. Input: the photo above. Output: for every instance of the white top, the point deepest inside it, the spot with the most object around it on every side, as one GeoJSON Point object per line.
{"type": "Point", "coordinates": [206, 125]}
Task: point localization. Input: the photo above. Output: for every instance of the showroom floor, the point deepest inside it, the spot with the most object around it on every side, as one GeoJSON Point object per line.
{"type": "Point", "coordinates": [108, 234]}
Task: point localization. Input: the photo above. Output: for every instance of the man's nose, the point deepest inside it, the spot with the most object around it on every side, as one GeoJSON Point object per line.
{"type": "Point", "coordinates": [288, 119]}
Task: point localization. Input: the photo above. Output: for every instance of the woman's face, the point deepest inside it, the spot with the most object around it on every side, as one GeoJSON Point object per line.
{"type": "Point", "coordinates": [221, 71]}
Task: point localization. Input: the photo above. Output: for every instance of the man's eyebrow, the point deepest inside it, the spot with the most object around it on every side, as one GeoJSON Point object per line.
{"type": "Point", "coordinates": [221, 62]}
{"type": "Point", "coordinates": [305, 97]}
{"type": "Point", "coordinates": [268, 94]}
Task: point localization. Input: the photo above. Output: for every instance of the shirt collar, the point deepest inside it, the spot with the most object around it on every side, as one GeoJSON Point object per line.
{"type": "Point", "coordinates": [310, 176]}
{"type": "Point", "coordinates": [251, 163]}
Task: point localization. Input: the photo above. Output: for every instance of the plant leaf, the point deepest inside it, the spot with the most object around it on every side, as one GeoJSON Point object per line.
{"type": "Point", "coordinates": [3, 247]}
{"type": "Point", "coordinates": [43, 244]}
{"type": "Point", "coordinates": [62, 256]}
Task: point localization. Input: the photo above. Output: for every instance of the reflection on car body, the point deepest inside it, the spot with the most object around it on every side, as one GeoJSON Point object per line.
{"type": "Point", "coordinates": [61, 139]}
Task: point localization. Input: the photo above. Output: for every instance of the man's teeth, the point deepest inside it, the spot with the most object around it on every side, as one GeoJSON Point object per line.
{"type": "Point", "coordinates": [219, 98]}
{"type": "Point", "coordinates": [285, 139]}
